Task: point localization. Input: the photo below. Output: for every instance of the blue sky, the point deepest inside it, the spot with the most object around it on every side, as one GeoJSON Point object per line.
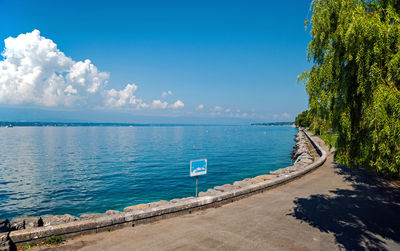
{"type": "Point", "coordinates": [222, 61]}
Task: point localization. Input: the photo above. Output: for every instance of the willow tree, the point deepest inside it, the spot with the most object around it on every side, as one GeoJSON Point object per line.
{"type": "Point", "coordinates": [353, 86]}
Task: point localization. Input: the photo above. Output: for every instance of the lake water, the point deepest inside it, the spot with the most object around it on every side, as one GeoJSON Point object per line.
{"type": "Point", "coordinates": [76, 170]}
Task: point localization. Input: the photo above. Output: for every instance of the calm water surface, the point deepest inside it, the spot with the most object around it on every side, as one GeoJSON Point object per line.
{"type": "Point", "coordinates": [76, 170]}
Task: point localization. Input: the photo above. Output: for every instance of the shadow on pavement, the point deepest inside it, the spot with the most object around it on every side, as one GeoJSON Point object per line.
{"type": "Point", "coordinates": [355, 216]}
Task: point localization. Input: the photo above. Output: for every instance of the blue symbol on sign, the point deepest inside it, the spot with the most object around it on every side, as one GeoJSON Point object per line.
{"type": "Point", "coordinates": [198, 167]}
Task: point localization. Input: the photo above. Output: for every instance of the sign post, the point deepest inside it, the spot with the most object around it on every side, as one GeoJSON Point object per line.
{"type": "Point", "coordinates": [198, 167]}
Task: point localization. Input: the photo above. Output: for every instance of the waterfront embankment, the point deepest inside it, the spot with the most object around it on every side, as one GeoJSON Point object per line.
{"type": "Point", "coordinates": [35, 230]}
{"type": "Point", "coordinates": [332, 208]}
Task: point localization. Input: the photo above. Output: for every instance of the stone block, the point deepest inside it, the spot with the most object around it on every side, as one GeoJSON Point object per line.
{"type": "Point", "coordinates": [242, 183]}
{"type": "Point", "coordinates": [266, 176]}
{"type": "Point", "coordinates": [279, 171]}
{"type": "Point", "coordinates": [202, 194]}
{"type": "Point", "coordinates": [5, 246]}
{"type": "Point", "coordinates": [17, 224]}
{"type": "Point", "coordinates": [256, 180]}
{"type": "Point", "coordinates": [4, 226]}
{"type": "Point", "coordinates": [33, 222]}
{"type": "Point", "coordinates": [291, 169]}
{"type": "Point", "coordinates": [299, 164]}
{"type": "Point", "coordinates": [224, 188]}
{"type": "Point", "coordinates": [90, 216]}
{"type": "Point", "coordinates": [136, 207]}
{"type": "Point", "coordinates": [181, 200]}
{"type": "Point", "coordinates": [3, 237]}
{"type": "Point", "coordinates": [113, 212]}
{"type": "Point", "coordinates": [52, 220]}
{"type": "Point", "coordinates": [210, 192]}
{"type": "Point", "coordinates": [26, 222]}
{"type": "Point", "coordinates": [306, 161]}
{"type": "Point", "coordinates": [159, 203]}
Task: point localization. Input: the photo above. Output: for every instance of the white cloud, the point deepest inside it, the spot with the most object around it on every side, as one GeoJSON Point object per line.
{"type": "Point", "coordinates": [199, 107]}
{"type": "Point", "coordinates": [228, 110]}
{"type": "Point", "coordinates": [158, 104]}
{"type": "Point", "coordinates": [216, 109]}
{"type": "Point", "coordinates": [69, 90]}
{"type": "Point", "coordinates": [124, 97]}
{"type": "Point", "coordinates": [35, 72]}
{"type": "Point", "coordinates": [276, 116]}
{"type": "Point", "coordinates": [164, 94]}
{"type": "Point", "coordinates": [177, 105]}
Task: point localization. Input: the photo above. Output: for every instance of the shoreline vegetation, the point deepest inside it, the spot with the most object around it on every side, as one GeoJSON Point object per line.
{"type": "Point", "coordinates": [354, 83]}
{"type": "Point", "coordinates": [304, 154]}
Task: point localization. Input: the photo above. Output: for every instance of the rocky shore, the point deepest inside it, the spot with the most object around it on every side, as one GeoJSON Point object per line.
{"type": "Point", "coordinates": [303, 155]}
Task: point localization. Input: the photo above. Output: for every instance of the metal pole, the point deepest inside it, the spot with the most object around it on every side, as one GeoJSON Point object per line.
{"type": "Point", "coordinates": [197, 182]}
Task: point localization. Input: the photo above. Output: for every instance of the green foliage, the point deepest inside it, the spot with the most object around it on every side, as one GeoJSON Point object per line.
{"type": "Point", "coordinates": [354, 84]}
{"type": "Point", "coordinates": [303, 119]}
{"type": "Point", "coordinates": [54, 240]}
{"type": "Point", "coordinates": [329, 139]}
{"type": "Point", "coordinates": [26, 247]}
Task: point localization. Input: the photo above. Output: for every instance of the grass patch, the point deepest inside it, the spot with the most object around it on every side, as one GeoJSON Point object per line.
{"type": "Point", "coordinates": [329, 139]}
{"type": "Point", "coordinates": [54, 240]}
{"type": "Point", "coordinates": [26, 247]}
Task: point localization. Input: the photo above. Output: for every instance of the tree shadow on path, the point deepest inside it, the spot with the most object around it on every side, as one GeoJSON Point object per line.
{"type": "Point", "coordinates": [355, 216]}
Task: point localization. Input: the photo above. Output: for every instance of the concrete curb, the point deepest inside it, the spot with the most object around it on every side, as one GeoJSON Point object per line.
{"type": "Point", "coordinates": [186, 206]}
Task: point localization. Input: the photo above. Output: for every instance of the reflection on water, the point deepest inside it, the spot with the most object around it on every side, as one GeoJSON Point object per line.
{"type": "Point", "coordinates": [75, 170]}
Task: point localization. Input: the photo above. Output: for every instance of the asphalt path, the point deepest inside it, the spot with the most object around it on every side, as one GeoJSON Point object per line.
{"type": "Point", "coordinates": [331, 208]}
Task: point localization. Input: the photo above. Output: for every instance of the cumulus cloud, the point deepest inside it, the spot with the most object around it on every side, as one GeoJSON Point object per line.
{"type": "Point", "coordinates": [164, 94]}
{"type": "Point", "coordinates": [158, 104]}
{"type": "Point", "coordinates": [199, 107]}
{"type": "Point", "coordinates": [177, 105]}
{"type": "Point", "coordinates": [228, 110]}
{"type": "Point", "coordinates": [124, 97]}
{"type": "Point", "coordinates": [35, 72]}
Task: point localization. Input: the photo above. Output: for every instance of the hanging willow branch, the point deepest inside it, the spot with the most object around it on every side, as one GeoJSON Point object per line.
{"type": "Point", "coordinates": [354, 84]}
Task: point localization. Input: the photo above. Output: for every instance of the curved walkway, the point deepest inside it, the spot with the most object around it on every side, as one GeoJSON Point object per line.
{"type": "Point", "coordinates": [331, 208]}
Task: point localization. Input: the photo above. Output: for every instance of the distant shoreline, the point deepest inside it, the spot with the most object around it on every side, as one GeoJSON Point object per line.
{"type": "Point", "coordinates": [273, 124]}
{"type": "Point", "coordinates": [94, 124]}
{"type": "Point", "coordinates": [98, 124]}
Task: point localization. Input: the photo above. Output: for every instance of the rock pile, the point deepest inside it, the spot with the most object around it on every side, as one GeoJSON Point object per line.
{"type": "Point", "coordinates": [237, 184]}
{"type": "Point", "coordinates": [5, 243]}
{"type": "Point", "coordinates": [52, 220]}
{"type": "Point", "coordinates": [303, 155]}
{"type": "Point", "coordinates": [26, 222]}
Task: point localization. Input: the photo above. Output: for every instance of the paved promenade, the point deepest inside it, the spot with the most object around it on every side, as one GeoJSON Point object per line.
{"type": "Point", "coordinates": [331, 208]}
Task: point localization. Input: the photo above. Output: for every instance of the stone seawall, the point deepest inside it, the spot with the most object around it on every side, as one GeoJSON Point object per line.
{"type": "Point", "coordinates": [31, 230]}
